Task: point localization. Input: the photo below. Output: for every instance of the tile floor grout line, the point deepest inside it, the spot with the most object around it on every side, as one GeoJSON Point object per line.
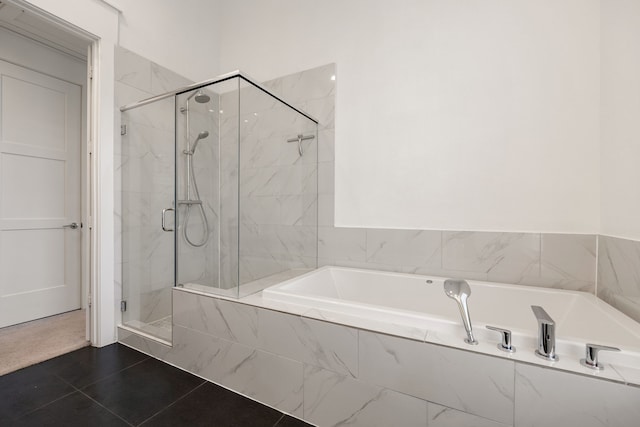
{"type": "Point", "coordinates": [45, 405]}
{"type": "Point", "coordinates": [175, 401]}
{"type": "Point", "coordinates": [279, 419]}
{"type": "Point", "coordinates": [108, 376]}
{"type": "Point", "coordinates": [107, 409]}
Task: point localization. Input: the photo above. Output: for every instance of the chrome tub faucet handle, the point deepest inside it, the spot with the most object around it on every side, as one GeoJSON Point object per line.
{"type": "Point", "coordinates": [591, 359]}
{"type": "Point", "coordinates": [505, 345]}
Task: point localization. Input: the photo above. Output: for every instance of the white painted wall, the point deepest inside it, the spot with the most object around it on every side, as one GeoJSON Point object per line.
{"type": "Point", "coordinates": [180, 35]}
{"type": "Point", "coordinates": [620, 148]}
{"type": "Point", "coordinates": [450, 115]}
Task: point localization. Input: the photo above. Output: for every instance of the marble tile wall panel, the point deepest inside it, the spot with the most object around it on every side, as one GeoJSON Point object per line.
{"type": "Point", "coordinates": [343, 244]}
{"type": "Point", "coordinates": [217, 317]}
{"type": "Point", "coordinates": [546, 397]}
{"type": "Point", "coordinates": [411, 248]}
{"type": "Point", "coordinates": [147, 346]}
{"type": "Point", "coordinates": [330, 346]}
{"type": "Point", "coordinates": [441, 416]}
{"type": "Point", "coordinates": [132, 70]}
{"type": "Point", "coordinates": [164, 80]}
{"type": "Point", "coordinates": [155, 305]}
{"type": "Point", "coordinates": [473, 383]}
{"type": "Point", "coordinates": [271, 379]}
{"type": "Point", "coordinates": [316, 83]}
{"type": "Point", "coordinates": [507, 257]}
{"type": "Point", "coordinates": [145, 172]}
{"type": "Point", "coordinates": [568, 261]}
{"type": "Point", "coordinates": [331, 399]}
{"type": "Point", "coordinates": [619, 274]}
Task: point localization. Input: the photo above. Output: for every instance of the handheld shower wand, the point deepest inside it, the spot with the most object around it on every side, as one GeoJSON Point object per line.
{"type": "Point", "coordinates": [201, 135]}
{"type": "Point", "coordinates": [460, 291]}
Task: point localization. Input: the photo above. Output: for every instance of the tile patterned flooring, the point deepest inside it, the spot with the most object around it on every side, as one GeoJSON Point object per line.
{"type": "Point", "coordinates": [118, 386]}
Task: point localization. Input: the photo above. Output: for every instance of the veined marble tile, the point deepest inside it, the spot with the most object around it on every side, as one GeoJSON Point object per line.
{"type": "Point", "coordinates": [382, 323]}
{"type": "Point", "coordinates": [504, 257]}
{"type": "Point", "coordinates": [260, 153]}
{"type": "Point", "coordinates": [125, 95]}
{"type": "Point", "coordinates": [404, 247]}
{"type": "Point", "coordinates": [441, 416]}
{"type": "Point", "coordinates": [309, 84]}
{"type": "Point", "coordinates": [314, 342]}
{"type": "Point", "coordinates": [223, 319]}
{"type": "Point", "coordinates": [132, 69]}
{"type": "Point", "coordinates": [568, 262]}
{"type": "Point", "coordinates": [323, 110]}
{"type": "Point", "coordinates": [271, 379]}
{"type": "Point", "coordinates": [331, 399]}
{"type": "Point", "coordinates": [326, 178]}
{"type": "Point", "coordinates": [298, 209]}
{"type": "Point", "coordinates": [261, 210]}
{"type": "Point", "coordinates": [155, 305]}
{"type": "Point", "coordinates": [159, 115]}
{"type": "Point", "coordinates": [473, 383]}
{"type": "Point", "coordinates": [326, 210]}
{"type": "Point", "coordinates": [326, 145]}
{"type": "Point", "coordinates": [345, 244]}
{"type": "Point", "coordinates": [619, 274]}
{"type": "Point", "coordinates": [546, 397]}
{"type": "Point", "coordinates": [145, 345]}
{"type": "Point", "coordinates": [164, 80]}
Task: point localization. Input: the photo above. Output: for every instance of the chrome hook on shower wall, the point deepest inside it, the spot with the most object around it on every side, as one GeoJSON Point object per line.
{"type": "Point", "coordinates": [299, 140]}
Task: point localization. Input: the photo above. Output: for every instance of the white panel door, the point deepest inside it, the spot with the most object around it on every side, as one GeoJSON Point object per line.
{"type": "Point", "coordinates": [40, 133]}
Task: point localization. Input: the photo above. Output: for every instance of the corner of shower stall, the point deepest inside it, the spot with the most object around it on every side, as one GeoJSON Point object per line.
{"type": "Point", "coordinates": [219, 187]}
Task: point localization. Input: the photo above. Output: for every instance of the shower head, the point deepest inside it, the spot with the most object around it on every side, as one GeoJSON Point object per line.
{"type": "Point", "coordinates": [201, 135]}
{"type": "Point", "coordinates": [202, 98]}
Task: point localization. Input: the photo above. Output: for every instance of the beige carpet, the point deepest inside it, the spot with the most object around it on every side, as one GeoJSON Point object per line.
{"type": "Point", "coordinates": [33, 342]}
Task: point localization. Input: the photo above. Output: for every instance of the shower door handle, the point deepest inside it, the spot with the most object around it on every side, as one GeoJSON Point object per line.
{"type": "Point", "coordinates": [164, 214]}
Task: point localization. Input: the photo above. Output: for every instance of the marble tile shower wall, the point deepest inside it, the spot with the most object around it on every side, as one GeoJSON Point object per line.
{"type": "Point", "coordinates": [199, 264]}
{"type": "Point", "coordinates": [277, 185]}
{"type": "Point", "coordinates": [144, 171]}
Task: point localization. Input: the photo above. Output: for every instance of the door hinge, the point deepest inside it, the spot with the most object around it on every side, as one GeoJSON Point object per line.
{"type": "Point", "coordinates": [90, 72]}
{"type": "Point", "coordinates": [123, 129]}
{"type": "Point", "coordinates": [123, 306]}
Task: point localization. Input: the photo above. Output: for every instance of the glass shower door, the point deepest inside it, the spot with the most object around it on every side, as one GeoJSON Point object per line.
{"type": "Point", "coordinates": [147, 171]}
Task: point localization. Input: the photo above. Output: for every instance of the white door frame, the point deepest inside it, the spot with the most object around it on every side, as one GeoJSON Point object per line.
{"type": "Point", "coordinates": [97, 22]}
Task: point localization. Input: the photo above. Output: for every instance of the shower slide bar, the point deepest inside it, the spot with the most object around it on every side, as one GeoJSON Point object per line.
{"type": "Point", "coordinates": [219, 79]}
{"type": "Point", "coordinates": [299, 140]}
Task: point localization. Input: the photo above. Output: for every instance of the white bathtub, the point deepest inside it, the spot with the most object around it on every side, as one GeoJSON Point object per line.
{"type": "Point", "coordinates": [420, 302]}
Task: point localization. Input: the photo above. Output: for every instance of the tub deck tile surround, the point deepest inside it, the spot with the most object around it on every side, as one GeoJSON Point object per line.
{"type": "Point", "coordinates": [441, 416]}
{"type": "Point", "coordinates": [313, 342]}
{"type": "Point", "coordinates": [266, 377]}
{"type": "Point", "coordinates": [473, 383]}
{"type": "Point", "coordinates": [431, 385]}
{"type": "Point", "coordinates": [331, 399]}
{"type": "Point", "coordinates": [545, 397]}
{"type": "Point", "coordinates": [217, 317]}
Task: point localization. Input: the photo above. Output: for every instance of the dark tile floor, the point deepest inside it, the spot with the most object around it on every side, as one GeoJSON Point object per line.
{"type": "Point", "coordinates": [118, 386]}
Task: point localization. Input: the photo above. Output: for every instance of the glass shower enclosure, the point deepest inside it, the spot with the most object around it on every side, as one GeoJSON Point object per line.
{"type": "Point", "coordinates": [219, 193]}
